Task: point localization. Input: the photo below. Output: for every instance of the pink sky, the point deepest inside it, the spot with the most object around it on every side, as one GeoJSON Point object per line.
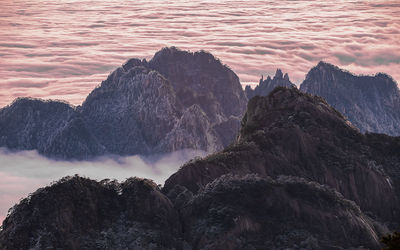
{"type": "Point", "coordinates": [62, 49]}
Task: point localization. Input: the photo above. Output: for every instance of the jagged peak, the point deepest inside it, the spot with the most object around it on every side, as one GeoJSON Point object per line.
{"type": "Point", "coordinates": [286, 77]}
{"type": "Point", "coordinates": [278, 74]}
{"type": "Point", "coordinates": [262, 80]}
{"type": "Point", "coordinates": [133, 62]}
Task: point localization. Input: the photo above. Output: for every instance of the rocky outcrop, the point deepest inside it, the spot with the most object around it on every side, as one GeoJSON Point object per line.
{"type": "Point", "coordinates": [291, 133]}
{"type": "Point", "coordinates": [175, 101]}
{"type": "Point", "coordinates": [266, 86]}
{"type": "Point", "coordinates": [250, 212]}
{"type": "Point", "coordinates": [78, 213]}
{"type": "Point", "coordinates": [371, 103]}
{"type": "Point", "coordinates": [299, 176]}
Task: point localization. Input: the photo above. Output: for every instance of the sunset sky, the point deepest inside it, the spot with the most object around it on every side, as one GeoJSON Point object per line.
{"type": "Point", "coordinates": [62, 49]}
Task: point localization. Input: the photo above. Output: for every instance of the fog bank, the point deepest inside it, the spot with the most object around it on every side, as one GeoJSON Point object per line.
{"type": "Point", "coordinates": [21, 173]}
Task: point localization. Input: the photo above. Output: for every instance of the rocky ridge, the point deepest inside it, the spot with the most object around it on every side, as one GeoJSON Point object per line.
{"type": "Point", "coordinates": [371, 103]}
{"type": "Point", "coordinates": [299, 176]}
{"type": "Point", "coordinates": [177, 100]}
{"type": "Point", "coordinates": [264, 87]}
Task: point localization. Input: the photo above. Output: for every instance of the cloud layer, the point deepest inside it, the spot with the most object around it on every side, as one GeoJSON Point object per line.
{"type": "Point", "coordinates": [21, 173]}
{"type": "Point", "coordinates": [63, 49]}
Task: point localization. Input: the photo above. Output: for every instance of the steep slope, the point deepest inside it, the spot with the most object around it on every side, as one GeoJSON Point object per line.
{"type": "Point", "coordinates": [266, 86]}
{"type": "Point", "coordinates": [291, 133]}
{"type": "Point", "coordinates": [371, 103]}
{"type": "Point", "coordinates": [199, 78]}
{"type": "Point", "coordinates": [177, 100]}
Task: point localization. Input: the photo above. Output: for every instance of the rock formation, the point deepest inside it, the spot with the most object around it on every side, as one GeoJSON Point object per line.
{"type": "Point", "coordinates": [371, 103]}
{"type": "Point", "coordinates": [296, 134]}
{"type": "Point", "coordinates": [266, 86]}
{"type": "Point", "coordinates": [299, 176]}
{"type": "Point", "coordinates": [175, 101]}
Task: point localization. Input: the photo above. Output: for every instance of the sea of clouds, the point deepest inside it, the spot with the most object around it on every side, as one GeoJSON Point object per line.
{"type": "Point", "coordinates": [22, 173]}
{"type": "Point", "coordinates": [63, 49]}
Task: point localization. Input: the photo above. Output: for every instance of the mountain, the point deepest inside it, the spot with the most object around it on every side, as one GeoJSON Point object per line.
{"type": "Point", "coordinates": [371, 103]}
{"type": "Point", "coordinates": [296, 134]}
{"type": "Point", "coordinates": [54, 128]}
{"type": "Point", "coordinates": [266, 86]}
{"type": "Point", "coordinates": [177, 100]}
{"type": "Point", "coordinates": [298, 176]}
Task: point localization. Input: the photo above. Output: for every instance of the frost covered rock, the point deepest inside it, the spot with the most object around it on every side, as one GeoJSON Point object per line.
{"type": "Point", "coordinates": [175, 101]}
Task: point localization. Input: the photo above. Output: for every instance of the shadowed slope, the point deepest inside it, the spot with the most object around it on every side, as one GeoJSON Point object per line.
{"type": "Point", "coordinates": [291, 133]}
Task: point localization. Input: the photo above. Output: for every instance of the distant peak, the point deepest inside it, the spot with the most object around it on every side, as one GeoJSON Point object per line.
{"type": "Point", "coordinates": [322, 67]}
{"type": "Point", "coordinates": [168, 52]}
{"type": "Point", "coordinates": [286, 77]}
{"type": "Point", "coordinates": [132, 63]}
{"type": "Point", "coordinates": [322, 63]}
{"type": "Point", "coordinates": [33, 101]}
{"type": "Point", "coordinates": [278, 74]}
{"type": "Point", "coordinates": [172, 54]}
{"type": "Point", "coordinates": [327, 65]}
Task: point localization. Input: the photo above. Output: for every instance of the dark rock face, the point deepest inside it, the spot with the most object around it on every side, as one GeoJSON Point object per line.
{"type": "Point", "coordinates": [299, 176]}
{"type": "Point", "coordinates": [231, 212]}
{"type": "Point", "coordinates": [269, 84]}
{"type": "Point", "coordinates": [291, 133]}
{"type": "Point", "coordinates": [250, 212]}
{"type": "Point", "coordinates": [177, 100]}
{"type": "Point", "coordinates": [371, 103]}
{"type": "Point", "coordinates": [199, 78]}
{"type": "Point", "coordinates": [78, 213]}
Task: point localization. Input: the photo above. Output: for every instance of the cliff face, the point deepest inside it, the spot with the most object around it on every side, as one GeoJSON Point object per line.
{"type": "Point", "coordinates": [291, 133]}
{"type": "Point", "coordinates": [266, 86]}
{"type": "Point", "coordinates": [177, 100]}
{"type": "Point", "coordinates": [372, 103]}
{"type": "Point", "coordinates": [298, 176]}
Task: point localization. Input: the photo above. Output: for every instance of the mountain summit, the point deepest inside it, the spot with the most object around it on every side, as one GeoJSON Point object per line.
{"type": "Point", "coordinates": [371, 103]}
{"type": "Point", "coordinates": [177, 100]}
{"type": "Point", "coordinates": [266, 86]}
{"type": "Point", "coordinates": [296, 134]}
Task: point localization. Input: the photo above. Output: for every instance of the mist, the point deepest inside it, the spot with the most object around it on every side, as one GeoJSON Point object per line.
{"type": "Point", "coordinates": [23, 172]}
